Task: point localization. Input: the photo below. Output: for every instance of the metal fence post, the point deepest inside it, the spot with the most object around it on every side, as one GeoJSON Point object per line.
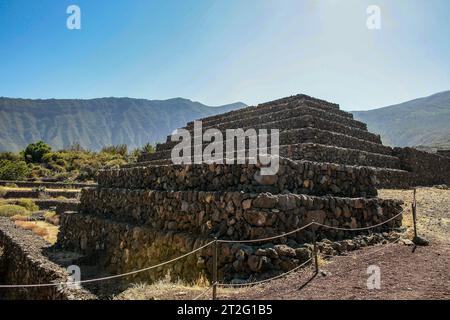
{"type": "Point", "coordinates": [316, 261]}
{"type": "Point", "coordinates": [214, 274]}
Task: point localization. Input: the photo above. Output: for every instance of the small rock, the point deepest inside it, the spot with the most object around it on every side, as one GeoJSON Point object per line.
{"type": "Point", "coordinates": [407, 242]}
{"type": "Point", "coordinates": [324, 273]}
{"type": "Point", "coordinates": [284, 250]}
{"type": "Point", "coordinates": [247, 204]}
{"type": "Point", "coordinates": [420, 241]}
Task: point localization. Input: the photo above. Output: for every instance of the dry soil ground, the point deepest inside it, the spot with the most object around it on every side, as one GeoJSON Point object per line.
{"type": "Point", "coordinates": [407, 272]}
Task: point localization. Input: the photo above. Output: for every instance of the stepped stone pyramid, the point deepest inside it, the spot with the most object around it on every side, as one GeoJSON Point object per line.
{"type": "Point", "coordinates": [153, 211]}
{"type": "Point", "coordinates": [310, 129]}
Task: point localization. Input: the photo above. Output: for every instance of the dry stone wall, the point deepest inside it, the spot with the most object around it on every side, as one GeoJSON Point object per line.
{"type": "Point", "coordinates": [425, 168]}
{"type": "Point", "coordinates": [235, 215]}
{"type": "Point", "coordinates": [127, 241]}
{"type": "Point", "coordinates": [294, 176]}
{"type": "Point", "coordinates": [22, 262]}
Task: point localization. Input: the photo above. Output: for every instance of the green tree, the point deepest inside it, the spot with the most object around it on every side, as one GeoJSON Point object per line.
{"type": "Point", "coordinates": [35, 151]}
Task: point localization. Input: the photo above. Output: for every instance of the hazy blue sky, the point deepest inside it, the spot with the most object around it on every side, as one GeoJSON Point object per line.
{"type": "Point", "coordinates": [219, 52]}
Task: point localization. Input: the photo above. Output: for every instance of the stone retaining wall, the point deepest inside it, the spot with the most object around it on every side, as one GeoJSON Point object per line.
{"type": "Point", "coordinates": [118, 247]}
{"type": "Point", "coordinates": [426, 168]}
{"type": "Point", "coordinates": [234, 215]}
{"type": "Point", "coordinates": [444, 153]}
{"type": "Point", "coordinates": [22, 262]}
{"type": "Point", "coordinates": [295, 176]}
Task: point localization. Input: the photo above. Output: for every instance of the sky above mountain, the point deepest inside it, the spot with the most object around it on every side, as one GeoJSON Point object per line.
{"type": "Point", "coordinates": [219, 52]}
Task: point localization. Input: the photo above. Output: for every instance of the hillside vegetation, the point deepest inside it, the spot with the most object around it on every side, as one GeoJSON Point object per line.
{"type": "Point", "coordinates": [38, 162]}
{"type": "Point", "coordinates": [420, 122]}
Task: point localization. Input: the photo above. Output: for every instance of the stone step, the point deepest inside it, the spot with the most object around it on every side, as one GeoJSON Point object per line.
{"type": "Point", "coordinates": [236, 215]}
{"type": "Point", "coordinates": [296, 136]}
{"type": "Point", "coordinates": [306, 151]}
{"type": "Point", "coordinates": [304, 121]}
{"type": "Point", "coordinates": [332, 154]}
{"type": "Point", "coordinates": [295, 176]}
{"type": "Point", "coordinates": [275, 106]}
{"type": "Point", "coordinates": [288, 111]}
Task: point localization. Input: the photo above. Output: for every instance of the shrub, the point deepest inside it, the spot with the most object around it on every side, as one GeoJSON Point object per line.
{"type": "Point", "coordinates": [11, 185]}
{"type": "Point", "coordinates": [9, 210]}
{"type": "Point", "coordinates": [38, 189]}
{"type": "Point", "coordinates": [13, 170]}
{"type": "Point", "coordinates": [35, 151]}
{"type": "Point", "coordinates": [120, 149]}
{"type": "Point", "coordinates": [148, 148]}
{"type": "Point", "coordinates": [115, 163]}
{"type": "Point", "coordinates": [10, 156]}
{"type": "Point", "coordinates": [3, 191]}
{"type": "Point", "coordinates": [27, 204]}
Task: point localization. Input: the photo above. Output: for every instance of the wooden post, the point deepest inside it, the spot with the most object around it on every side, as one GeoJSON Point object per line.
{"type": "Point", "coordinates": [414, 213]}
{"type": "Point", "coordinates": [214, 275]}
{"type": "Point", "coordinates": [316, 260]}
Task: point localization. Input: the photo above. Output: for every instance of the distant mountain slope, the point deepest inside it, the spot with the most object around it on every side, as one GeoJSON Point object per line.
{"type": "Point", "coordinates": [424, 121]}
{"type": "Point", "coordinates": [95, 123]}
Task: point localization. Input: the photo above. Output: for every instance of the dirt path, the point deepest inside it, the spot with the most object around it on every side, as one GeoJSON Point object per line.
{"type": "Point", "coordinates": [422, 274]}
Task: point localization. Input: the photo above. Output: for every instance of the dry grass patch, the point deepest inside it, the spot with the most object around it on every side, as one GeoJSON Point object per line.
{"type": "Point", "coordinates": [43, 229]}
{"type": "Point", "coordinates": [433, 211]}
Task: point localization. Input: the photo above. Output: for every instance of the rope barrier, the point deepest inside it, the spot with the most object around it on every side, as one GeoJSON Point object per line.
{"type": "Point", "coordinates": [200, 248]}
{"type": "Point", "coordinates": [269, 238]}
{"type": "Point", "coordinates": [203, 293]}
{"type": "Point", "coordinates": [361, 255]}
{"type": "Point", "coordinates": [263, 281]}
{"type": "Point", "coordinates": [359, 229]}
{"type": "Point", "coordinates": [109, 277]}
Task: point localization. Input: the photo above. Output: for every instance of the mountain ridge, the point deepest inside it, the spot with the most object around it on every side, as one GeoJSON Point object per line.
{"type": "Point", "coordinates": [423, 121]}
{"type": "Point", "coordinates": [97, 122]}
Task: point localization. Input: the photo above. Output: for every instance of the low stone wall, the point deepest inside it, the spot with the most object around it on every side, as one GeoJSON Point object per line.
{"type": "Point", "coordinates": [444, 153]}
{"type": "Point", "coordinates": [22, 262]}
{"type": "Point", "coordinates": [119, 247]}
{"type": "Point", "coordinates": [295, 176]}
{"type": "Point", "coordinates": [50, 185]}
{"type": "Point", "coordinates": [235, 215]}
{"type": "Point", "coordinates": [47, 204]}
{"type": "Point", "coordinates": [393, 179]}
{"type": "Point", "coordinates": [11, 194]}
{"type": "Point", "coordinates": [426, 169]}
{"type": "Point", "coordinates": [64, 206]}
